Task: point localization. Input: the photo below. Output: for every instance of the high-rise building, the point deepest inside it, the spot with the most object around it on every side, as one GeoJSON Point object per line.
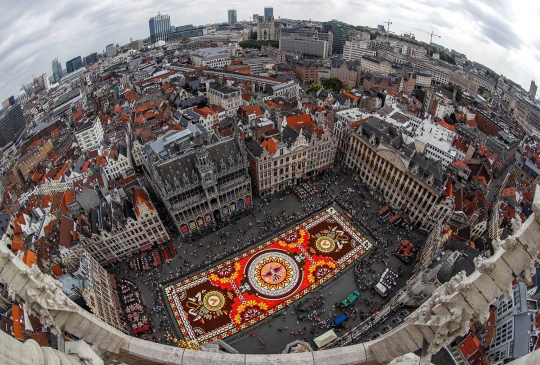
{"type": "Point", "coordinates": [232, 17]}
{"type": "Point", "coordinates": [340, 32]}
{"type": "Point", "coordinates": [268, 12]}
{"type": "Point", "coordinates": [12, 124]}
{"type": "Point", "coordinates": [111, 50]}
{"type": "Point", "coordinates": [160, 27]}
{"type": "Point", "coordinates": [57, 70]}
{"type": "Point", "coordinates": [74, 64]}
{"type": "Point", "coordinates": [532, 89]}
{"type": "Point", "coordinates": [91, 58]}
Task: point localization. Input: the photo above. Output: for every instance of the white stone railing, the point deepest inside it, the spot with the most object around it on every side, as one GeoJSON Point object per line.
{"type": "Point", "coordinates": [446, 314]}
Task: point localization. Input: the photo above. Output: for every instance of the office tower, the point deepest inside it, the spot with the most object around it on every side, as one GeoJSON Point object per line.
{"type": "Point", "coordinates": [57, 70]}
{"type": "Point", "coordinates": [532, 89]}
{"type": "Point", "coordinates": [12, 124]}
{"type": "Point", "coordinates": [232, 17]}
{"type": "Point", "coordinates": [91, 58]}
{"type": "Point", "coordinates": [268, 12]}
{"type": "Point", "coordinates": [340, 33]}
{"type": "Point", "coordinates": [111, 50]}
{"type": "Point", "coordinates": [74, 64]}
{"type": "Point", "coordinates": [160, 27]}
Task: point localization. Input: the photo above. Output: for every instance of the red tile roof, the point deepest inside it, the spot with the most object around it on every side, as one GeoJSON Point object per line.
{"type": "Point", "coordinates": [447, 126]}
{"type": "Point", "coordinates": [131, 95]}
{"type": "Point", "coordinates": [358, 122]}
{"type": "Point", "coordinates": [270, 103]}
{"type": "Point", "coordinates": [204, 112]}
{"type": "Point", "coordinates": [252, 109]}
{"type": "Point", "coordinates": [271, 145]}
{"type": "Point", "coordinates": [77, 115]}
{"type": "Point", "coordinates": [460, 164]}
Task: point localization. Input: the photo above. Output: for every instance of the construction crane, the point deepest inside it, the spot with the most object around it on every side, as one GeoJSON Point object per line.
{"type": "Point", "coordinates": [431, 34]}
{"type": "Point", "coordinates": [388, 28]}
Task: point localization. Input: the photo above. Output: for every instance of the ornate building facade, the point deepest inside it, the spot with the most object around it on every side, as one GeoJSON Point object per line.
{"type": "Point", "coordinates": [408, 181]}
{"type": "Point", "coordinates": [266, 30]}
{"type": "Point", "coordinates": [115, 229]}
{"type": "Point", "coordinates": [204, 185]}
{"type": "Point", "coordinates": [278, 163]}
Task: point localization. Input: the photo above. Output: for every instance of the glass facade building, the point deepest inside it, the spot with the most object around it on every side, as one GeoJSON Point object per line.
{"type": "Point", "coordinates": [56, 70]}
{"type": "Point", "coordinates": [160, 27]}
{"type": "Point", "coordinates": [12, 124]}
{"type": "Point", "coordinates": [74, 64]}
{"type": "Point", "coordinates": [91, 58]}
{"type": "Point", "coordinates": [268, 12]}
{"type": "Point", "coordinates": [340, 34]}
{"type": "Point", "coordinates": [232, 17]}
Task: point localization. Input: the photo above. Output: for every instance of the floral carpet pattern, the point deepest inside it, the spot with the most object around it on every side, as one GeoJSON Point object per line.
{"type": "Point", "coordinates": [250, 287]}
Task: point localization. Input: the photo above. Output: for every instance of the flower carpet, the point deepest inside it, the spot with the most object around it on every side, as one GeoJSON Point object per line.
{"type": "Point", "coordinates": [256, 284]}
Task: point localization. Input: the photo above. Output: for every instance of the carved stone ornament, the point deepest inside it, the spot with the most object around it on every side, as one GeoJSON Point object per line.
{"type": "Point", "coordinates": [185, 178]}
{"type": "Point", "coordinates": [414, 169]}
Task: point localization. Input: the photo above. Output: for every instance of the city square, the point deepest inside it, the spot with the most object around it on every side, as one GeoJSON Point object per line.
{"type": "Point", "coordinates": [244, 290]}
{"type": "Point", "coordinates": [272, 217]}
{"type": "Point", "coordinates": [309, 184]}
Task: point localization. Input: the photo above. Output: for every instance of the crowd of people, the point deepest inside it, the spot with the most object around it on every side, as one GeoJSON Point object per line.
{"type": "Point", "coordinates": [264, 221]}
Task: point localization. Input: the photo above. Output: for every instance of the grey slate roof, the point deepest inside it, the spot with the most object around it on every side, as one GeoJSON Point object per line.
{"type": "Point", "coordinates": [186, 163]}
{"type": "Point", "coordinates": [425, 166]}
{"type": "Point", "coordinates": [191, 102]}
{"type": "Point", "coordinates": [253, 146]}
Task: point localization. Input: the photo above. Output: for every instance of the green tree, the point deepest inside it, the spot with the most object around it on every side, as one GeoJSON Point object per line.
{"type": "Point", "coordinates": [459, 94]}
{"type": "Point", "coordinates": [253, 36]}
{"type": "Point", "coordinates": [258, 44]}
{"type": "Point", "coordinates": [333, 83]}
{"type": "Point", "coordinates": [314, 88]}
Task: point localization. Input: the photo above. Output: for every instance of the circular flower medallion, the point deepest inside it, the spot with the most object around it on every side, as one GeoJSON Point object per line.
{"type": "Point", "coordinates": [325, 244]}
{"type": "Point", "coordinates": [213, 301]}
{"type": "Point", "coordinates": [273, 274]}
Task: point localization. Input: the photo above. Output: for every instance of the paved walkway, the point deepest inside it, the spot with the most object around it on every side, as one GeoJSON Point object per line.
{"type": "Point", "coordinates": [274, 214]}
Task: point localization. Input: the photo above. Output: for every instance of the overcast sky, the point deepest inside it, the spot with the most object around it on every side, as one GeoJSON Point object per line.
{"type": "Point", "coordinates": [503, 35]}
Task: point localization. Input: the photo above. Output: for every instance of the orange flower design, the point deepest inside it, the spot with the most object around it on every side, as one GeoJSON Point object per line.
{"type": "Point", "coordinates": [319, 270]}
{"type": "Point", "coordinates": [249, 310]}
{"type": "Point", "coordinates": [226, 274]}
{"type": "Point", "coordinates": [302, 232]}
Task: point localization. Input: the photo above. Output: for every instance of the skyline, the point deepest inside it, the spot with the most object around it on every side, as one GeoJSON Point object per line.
{"type": "Point", "coordinates": [495, 34]}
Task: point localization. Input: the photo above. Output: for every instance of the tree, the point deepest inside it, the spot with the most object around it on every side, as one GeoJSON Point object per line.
{"type": "Point", "coordinates": [459, 94]}
{"type": "Point", "coordinates": [314, 88]}
{"type": "Point", "coordinates": [333, 83]}
{"type": "Point", "coordinates": [258, 44]}
{"type": "Point", "coordinates": [253, 36]}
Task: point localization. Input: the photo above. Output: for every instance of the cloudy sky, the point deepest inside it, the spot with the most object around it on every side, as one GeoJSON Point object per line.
{"type": "Point", "coordinates": [503, 35]}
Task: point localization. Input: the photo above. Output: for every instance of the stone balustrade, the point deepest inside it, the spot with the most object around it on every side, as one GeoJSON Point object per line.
{"type": "Point", "coordinates": [446, 314]}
